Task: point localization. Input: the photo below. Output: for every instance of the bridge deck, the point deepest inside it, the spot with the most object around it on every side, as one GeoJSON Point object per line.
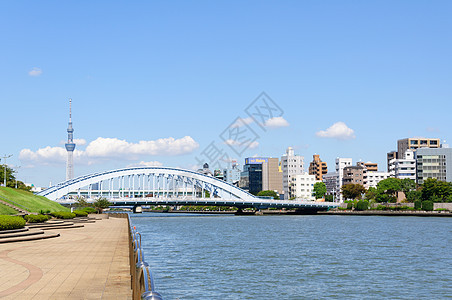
{"type": "Point", "coordinates": [83, 263]}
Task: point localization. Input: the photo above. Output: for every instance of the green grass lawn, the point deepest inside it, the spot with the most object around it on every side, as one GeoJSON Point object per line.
{"type": "Point", "coordinates": [6, 210]}
{"type": "Point", "coordinates": [29, 201]}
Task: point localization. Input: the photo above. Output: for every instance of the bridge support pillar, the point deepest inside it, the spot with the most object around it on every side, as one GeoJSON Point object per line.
{"type": "Point", "coordinates": [137, 209]}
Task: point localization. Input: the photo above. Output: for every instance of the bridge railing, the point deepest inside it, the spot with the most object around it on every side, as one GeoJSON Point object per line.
{"type": "Point", "coordinates": [142, 282]}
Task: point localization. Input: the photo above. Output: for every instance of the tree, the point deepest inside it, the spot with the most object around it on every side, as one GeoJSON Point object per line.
{"type": "Point", "coordinates": [10, 179]}
{"type": "Point", "coordinates": [352, 190]}
{"type": "Point", "coordinates": [412, 196]}
{"type": "Point", "coordinates": [436, 190]}
{"type": "Point", "coordinates": [319, 190]}
{"type": "Point", "coordinates": [268, 194]}
{"type": "Point", "coordinates": [407, 185]}
{"type": "Point", "coordinates": [388, 187]}
{"type": "Point", "coordinates": [81, 202]}
{"type": "Point", "coordinates": [100, 204]}
{"type": "Point", "coordinates": [371, 194]}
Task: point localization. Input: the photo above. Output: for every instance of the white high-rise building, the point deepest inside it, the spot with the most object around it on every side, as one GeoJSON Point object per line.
{"type": "Point", "coordinates": [302, 186]}
{"type": "Point", "coordinates": [341, 163]}
{"type": "Point", "coordinates": [291, 165]}
{"type": "Point", "coordinates": [403, 167]}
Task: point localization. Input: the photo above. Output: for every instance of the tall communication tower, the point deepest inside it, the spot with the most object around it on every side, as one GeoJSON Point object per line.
{"type": "Point", "coordinates": [70, 146]}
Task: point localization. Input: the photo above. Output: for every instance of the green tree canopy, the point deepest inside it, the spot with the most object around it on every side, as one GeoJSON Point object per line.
{"type": "Point", "coordinates": [371, 193]}
{"type": "Point", "coordinates": [268, 194]}
{"type": "Point", "coordinates": [436, 190]}
{"type": "Point", "coordinates": [407, 185]}
{"type": "Point", "coordinates": [319, 190]}
{"type": "Point", "coordinates": [10, 178]}
{"type": "Point", "coordinates": [352, 190]}
{"type": "Point", "coordinates": [101, 203]}
{"type": "Point", "coordinates": [388, 187]}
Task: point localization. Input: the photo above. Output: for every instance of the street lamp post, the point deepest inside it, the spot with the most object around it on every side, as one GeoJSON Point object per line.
{"type": "Point", "coordinates": [17, 167]}
{"type": "Point", "coordinates": [4, 159]}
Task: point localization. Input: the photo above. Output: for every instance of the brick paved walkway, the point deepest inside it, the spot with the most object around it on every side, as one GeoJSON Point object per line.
{"type": "Point", "coordinates": [83, 263]}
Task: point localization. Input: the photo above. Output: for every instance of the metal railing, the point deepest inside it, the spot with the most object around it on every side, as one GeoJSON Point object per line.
{"type": "Point", "coordinates": [142, 282]}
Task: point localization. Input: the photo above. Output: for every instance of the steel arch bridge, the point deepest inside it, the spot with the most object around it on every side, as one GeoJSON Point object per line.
{"type": "Point", "coordinates": [167, 186]}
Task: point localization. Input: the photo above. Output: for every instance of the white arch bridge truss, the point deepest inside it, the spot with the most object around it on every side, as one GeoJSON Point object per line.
{"type": "Point", "coordinates": [164, 185]}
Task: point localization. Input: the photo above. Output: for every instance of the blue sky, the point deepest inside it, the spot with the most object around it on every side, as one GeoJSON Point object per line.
{"type": "Point", "coordinates": [175, 75]}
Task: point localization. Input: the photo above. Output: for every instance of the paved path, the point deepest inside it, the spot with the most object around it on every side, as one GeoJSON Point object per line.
{"type": "Point", "coordinates": [83, 263]}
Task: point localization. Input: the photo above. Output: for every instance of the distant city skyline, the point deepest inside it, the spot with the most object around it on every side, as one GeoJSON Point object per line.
{"type": "Point", "coordinates": [156, 85]}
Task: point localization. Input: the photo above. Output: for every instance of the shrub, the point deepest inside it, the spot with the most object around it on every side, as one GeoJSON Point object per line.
{"type": "Point", "coordinates": [36, 218]}
{"type": "Point", "coordinates": [417, 204]}
{"type": "Point", "coordinates": [362, 205]}
{"type": "Point", "coordinates": [350, 205]}
{"type": "Point", "coordinates": [441, 209]}
{"type": "Point", "coordinates": [80, 213]}
{"type": "Point", "coordinates": [11, 222]}
{"type": "Point", "coordinates": [427, 205]}
{"type": "Point", "coordinates": [63, 215]}
{"type": "Point", "coordinates": [89, 210]}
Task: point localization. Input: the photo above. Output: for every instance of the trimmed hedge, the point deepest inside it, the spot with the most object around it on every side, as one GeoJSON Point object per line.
{"type": "Point", "coordinates": [63, 215]}
{"type": "Point", "coordinates": [11, 222]}
{"type": "Point", "coordinates": [80, 213]}
{"type": "Point", "coordinates": [362, 205]}
{"type": "Point", "coordinates": [36, 218]}
{"type": "Point", "coordinates": [417, 204]}
{"type": "Point", "coordinates": [427, 205]}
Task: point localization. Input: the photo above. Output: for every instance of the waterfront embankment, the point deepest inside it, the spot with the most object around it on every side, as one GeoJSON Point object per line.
{"type": "Point", "coordinates": [91, 262]}
{"type": "Point", "coordinates": [387, 213]}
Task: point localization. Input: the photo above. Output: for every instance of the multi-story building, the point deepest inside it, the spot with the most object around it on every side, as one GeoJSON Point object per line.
{"type": "Point", "coordinates": [318, 167]}
{"type": "Point", "coordinates": [370, 166]}
{"type": "Point", "coordinates": [404, 167]}
{"type": "Point", "coordinates": [261, 173]}
{"type": "Point", "coordinates": [291, 165]}
{"type": "Point", "coordinates": [329, 180]}
{"type": "Point", "coordinates": [416, 143]}
{"type": "Point", "coordinates": [355, 175]}
{"type": "Point", "coordinates": [232, 174]}
{"type": "Point", "coordinates": [412, 144]}
{"type": "Point", "coordinates": [434, 163]}
{"type": "Point", "coordinates": [302, 186]}
{"type": "Point", "coordinates": [341, 163]}
{"type": "Point", "coordinates": [374, 177]}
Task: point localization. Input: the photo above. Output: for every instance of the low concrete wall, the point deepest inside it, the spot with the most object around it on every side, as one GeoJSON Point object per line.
{"type": "Point", "coordinates": [442, 205]}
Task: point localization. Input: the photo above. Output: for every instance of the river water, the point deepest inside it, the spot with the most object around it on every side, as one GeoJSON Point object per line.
{"type": "Point", "coordinates": [298, 257]}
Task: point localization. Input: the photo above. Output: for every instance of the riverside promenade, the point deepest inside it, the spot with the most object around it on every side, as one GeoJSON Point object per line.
{"type": "Point", "coordinates": [91, 262]}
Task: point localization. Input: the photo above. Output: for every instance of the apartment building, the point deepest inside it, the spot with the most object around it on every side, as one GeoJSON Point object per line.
{"type": "Point", "coordinates": [318, 167]}
{"type": "Point", "coordinates": [291, 165]}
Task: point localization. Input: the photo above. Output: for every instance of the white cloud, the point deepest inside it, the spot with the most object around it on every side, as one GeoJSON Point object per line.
{"type": "Point", "coordinates": [240, 122]}
{"type": "Point", "coordinates": [35, 72]}
{"type": "Point", "coordinates": [338, 130]}
{"type": "Point", "coordinates": [146, 164]}
{"type": "Point", "coordinates": [109, 148]}
{"type": "Point", "coordinates": [80, 142]}
{"type": "Point", "coordinates": [276, 122]}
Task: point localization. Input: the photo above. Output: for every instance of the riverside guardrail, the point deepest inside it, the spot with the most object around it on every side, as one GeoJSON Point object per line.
{"type": "Point", "coordinates": [142, 282]}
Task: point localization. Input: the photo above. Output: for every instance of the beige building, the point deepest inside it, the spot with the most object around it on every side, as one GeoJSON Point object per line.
{"type": "Point", "coordinates": [317, 167]}
{"type": "Point", "coordinates": [272, 176]}
{"type": "Point", "coordinates": [416, 143]}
